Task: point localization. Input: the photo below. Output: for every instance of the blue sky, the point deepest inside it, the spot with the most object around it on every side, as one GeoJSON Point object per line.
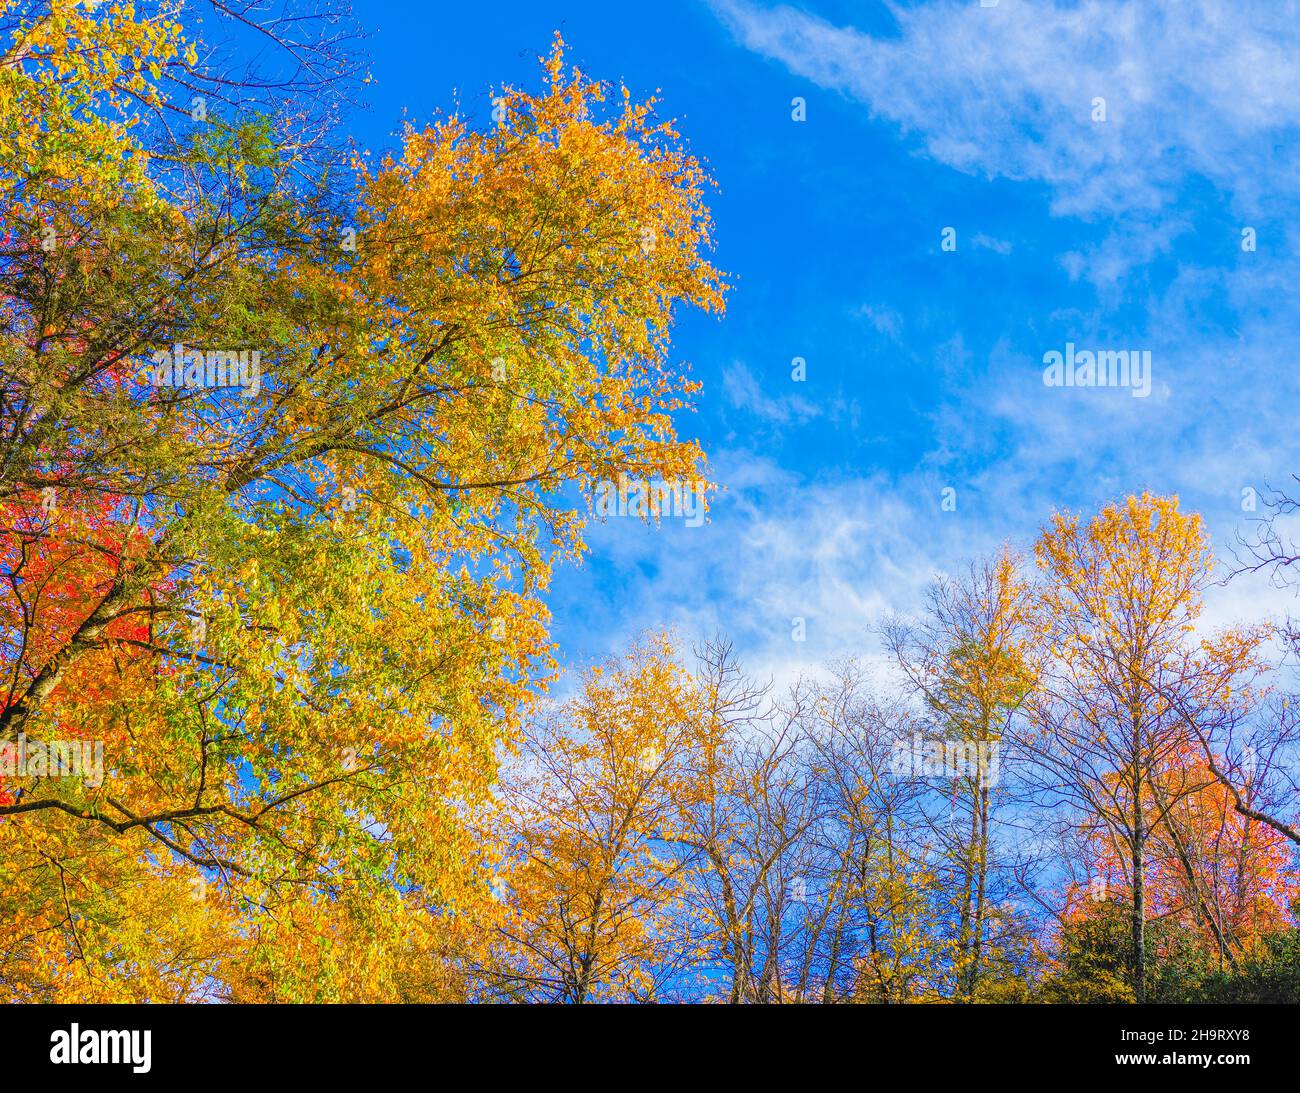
{"type": "Point", "coordinates": [925, 366]}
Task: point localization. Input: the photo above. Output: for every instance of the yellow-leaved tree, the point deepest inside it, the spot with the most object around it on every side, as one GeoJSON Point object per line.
{"type": "Point", "coordinates": [590, 879]}
{"type": "Point", "coordinates": [1131, 686]}
{"type": "Point", "coordinates": [289, 454]}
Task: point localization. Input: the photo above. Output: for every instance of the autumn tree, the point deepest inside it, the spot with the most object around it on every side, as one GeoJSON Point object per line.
{"type": "Point", "coordinates": [586, 814]}
{"type": "Point", "coordinates": [745, 824]}
{"type": "Point", "coordinates": [1222, 876]}
{"type": "Point", "coordinates": [815, 880]}
{"type": "Point", "coordinates": [970, 659]}
{"type": "Point", "coordinates": [1128, 683]}
{"type": "Point", "coordinates": [301, 608]}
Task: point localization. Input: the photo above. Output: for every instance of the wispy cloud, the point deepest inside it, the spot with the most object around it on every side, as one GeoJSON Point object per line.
{"type": "Point", "coordinates": [1201, 109]}
{"type": "Point", "coordinates": [1205, 87]}
{"type": "Point", "coordinates": [886, 320]}
{"type": "Point", "coordinates": [744, 392]}
{"type": "Point", "coordinates": [989, 242]}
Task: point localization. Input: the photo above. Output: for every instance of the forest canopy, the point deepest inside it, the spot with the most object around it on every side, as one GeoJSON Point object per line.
{"type": "Point", "coordinates": [291, 442]}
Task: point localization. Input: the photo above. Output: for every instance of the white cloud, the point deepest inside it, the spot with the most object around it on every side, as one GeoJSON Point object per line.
{"type": "Point", "coordinates": [989, 242]}
{"type": "Point", "coordinates": [1193, 88]}
{"type": "Point", "coordinates": [745, 392]}
{"type": "Point", "coordinates": [1204, 87]}
{"type": "Point", "coordinates": [840, 553]}
{"type": "Point", "coordinates": [885, 320]}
